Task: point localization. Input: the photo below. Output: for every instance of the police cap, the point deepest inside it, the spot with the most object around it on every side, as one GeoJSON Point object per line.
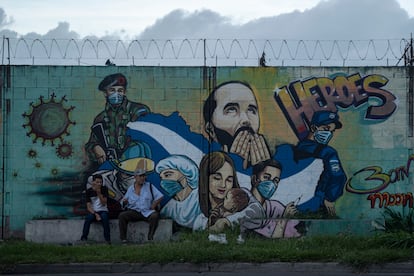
{"type": "Point", "coordinates": [326, 117]}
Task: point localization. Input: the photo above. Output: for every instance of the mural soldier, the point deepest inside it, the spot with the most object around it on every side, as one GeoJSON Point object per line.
{"type": "Point", "coordinates": [108, 139]}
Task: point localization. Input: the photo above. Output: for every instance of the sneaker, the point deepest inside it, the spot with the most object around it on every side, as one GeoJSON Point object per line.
{"type": "Point", "coordinates": [223, 238]}
{"type": "Point", "coordinates": [213, 237]}
{"type": "Point", "coordinates": [124, 242]}
{"type": "Point", "coordinates": [240, 239]}
{"type": "Point", "coordinates": [81, 242]}
{"type": "Point", "coordinates": [220, 238]}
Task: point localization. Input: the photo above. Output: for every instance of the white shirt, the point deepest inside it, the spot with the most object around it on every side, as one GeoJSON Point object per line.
{"type": "Point", "coordinates": [142, 203]}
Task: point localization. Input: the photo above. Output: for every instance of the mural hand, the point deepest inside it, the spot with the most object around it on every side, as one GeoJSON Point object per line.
{"type": "Point", "coordinates": [215, 212]}
{"type": "Point", "coordinates": [259, 151]}
{"type": "Point", "coordinates": [241, 144]}
{"type": "Point", "coordinates": [220, 225]}
{"type": "Point", "coordinates": [330, 207]}
{"type": "Point", "coordinates": [100, 154]}
{"type": "Point", "coordinates": [290, 209]}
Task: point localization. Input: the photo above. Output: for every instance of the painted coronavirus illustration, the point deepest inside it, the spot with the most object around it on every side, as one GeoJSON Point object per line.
{"type": "Point", "coordinates": [48, 120]}
{"type": "Point", "coordinates": [64, 150]}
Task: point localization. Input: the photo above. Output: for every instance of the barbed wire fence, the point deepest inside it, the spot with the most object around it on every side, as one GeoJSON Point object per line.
{"type": "Point", "coordinates": [205, 52]}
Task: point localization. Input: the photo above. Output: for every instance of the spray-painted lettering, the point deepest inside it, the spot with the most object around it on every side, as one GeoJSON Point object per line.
{"type": "Point", "coordinates": [299, 100]}
{"type": "Point", "coordinates": [378, 180]}
{"type": "Point", "coordinates": [387, 199]}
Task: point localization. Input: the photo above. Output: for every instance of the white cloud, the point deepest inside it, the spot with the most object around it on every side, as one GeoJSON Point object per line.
{"type": "Point", "coordinates": [293, 20]}
{"type": "Point", "coordinates": [100, 17]}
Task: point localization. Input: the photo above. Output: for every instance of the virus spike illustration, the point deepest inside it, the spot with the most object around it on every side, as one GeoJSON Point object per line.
{"type": "Point", "coordinates": [32, 153]}
{"type": "Point", "coordinates": [64, 150]}
{"type": "Point", "coordinates": [48, 120]}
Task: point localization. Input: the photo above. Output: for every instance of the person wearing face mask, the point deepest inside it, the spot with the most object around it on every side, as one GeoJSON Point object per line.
{"type": "Point", "coordinates": [179, 181]}
{"type": "Point", "coordinates": [264, 181]}
{"type": "Point", "coordinates": [108, 139]}
{"type": "Point", "coordinates": [333, 178]}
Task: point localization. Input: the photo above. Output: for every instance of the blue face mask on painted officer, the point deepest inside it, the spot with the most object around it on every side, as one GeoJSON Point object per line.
{"type": "Point", "coordinates": [323, 136]}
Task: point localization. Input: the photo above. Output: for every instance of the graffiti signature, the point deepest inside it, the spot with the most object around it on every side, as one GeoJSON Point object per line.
{"type": "Point", "coordinates": [384, 179]}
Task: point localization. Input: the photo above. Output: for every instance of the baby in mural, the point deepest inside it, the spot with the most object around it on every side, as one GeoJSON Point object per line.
{"type": "Point", "coordinates": [235, 200]}
{"type": "Point", "coordinates": [217, 177]}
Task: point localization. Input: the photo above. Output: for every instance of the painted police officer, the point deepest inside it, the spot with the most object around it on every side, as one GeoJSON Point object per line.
{"type": "Point", "coordinates": [333, 178]}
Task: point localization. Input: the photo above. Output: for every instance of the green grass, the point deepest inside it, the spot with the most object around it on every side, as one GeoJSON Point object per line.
{"type": "Point", "coordinates": [194, 247]}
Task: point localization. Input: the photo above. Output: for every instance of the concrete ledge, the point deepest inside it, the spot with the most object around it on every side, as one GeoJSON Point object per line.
{"type": "Point", "coordinates": [362, 227]}
{"type": "Point", "coordinates": [69, 231]}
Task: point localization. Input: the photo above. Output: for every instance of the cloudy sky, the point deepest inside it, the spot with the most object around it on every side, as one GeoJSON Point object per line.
{"type": "Point", "coordinates": [299, 19]}
{"type": "Point", "coordinates": [212, 19]}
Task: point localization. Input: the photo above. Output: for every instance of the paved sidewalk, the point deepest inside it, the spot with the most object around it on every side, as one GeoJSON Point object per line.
{"type": "Point", "coordinates": [403, 267]}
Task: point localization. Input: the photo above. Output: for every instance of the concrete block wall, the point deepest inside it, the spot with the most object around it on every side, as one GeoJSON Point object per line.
{"type": "Point", "coordinates": [45, 163]}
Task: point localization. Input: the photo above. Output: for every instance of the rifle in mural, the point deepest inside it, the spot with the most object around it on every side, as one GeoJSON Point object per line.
{"type": "Point", "coordinates": [99, 132]}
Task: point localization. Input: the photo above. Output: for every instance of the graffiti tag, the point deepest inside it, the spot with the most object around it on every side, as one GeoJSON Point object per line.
{"type": "Point", "coordinates": [378, 176]}
{"type": "Point", "coordinates": [300, 99]}
{"type": "Point", "coordinates": [387, 199]}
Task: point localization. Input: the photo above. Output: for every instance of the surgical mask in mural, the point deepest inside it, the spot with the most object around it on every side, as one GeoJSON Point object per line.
{"type": "Point", "coordinates": [115, 98]}
{"type": "Point", "coordinates": [266, 188]}
{"type": "Point", "coordinates": [323, 136]}
{"type": "Point", "coordinates": [171, 187]}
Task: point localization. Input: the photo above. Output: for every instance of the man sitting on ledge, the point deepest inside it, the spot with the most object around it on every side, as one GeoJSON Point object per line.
{"type": "Point", "coordinates": [141, 202]}
{"type": "Point", "coordinates": [96, 204]}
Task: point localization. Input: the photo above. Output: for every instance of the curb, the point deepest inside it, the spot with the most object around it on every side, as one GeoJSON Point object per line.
{"type": "Point", "coordinates": [401, 267]}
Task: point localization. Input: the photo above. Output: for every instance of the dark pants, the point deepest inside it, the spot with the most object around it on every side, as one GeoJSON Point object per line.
{"type": "Point", "coordinates": [131, 215]}
{"type": "Point", "coordinates": [105, 223]}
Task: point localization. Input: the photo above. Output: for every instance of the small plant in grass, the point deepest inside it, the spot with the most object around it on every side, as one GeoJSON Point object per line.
{"type": "Point", "coordinates": [401, 226]}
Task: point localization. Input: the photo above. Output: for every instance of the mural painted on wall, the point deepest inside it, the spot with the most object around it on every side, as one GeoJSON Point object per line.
{"type": "Point", "coordinates": [229, 175]}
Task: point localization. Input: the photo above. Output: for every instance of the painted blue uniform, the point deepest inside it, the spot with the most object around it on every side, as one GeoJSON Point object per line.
{"type": "Point", "coordinates": [333, 178]}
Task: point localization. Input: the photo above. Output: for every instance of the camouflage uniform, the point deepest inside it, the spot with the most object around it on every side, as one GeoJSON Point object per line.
{"type": "Point", "coordinates": [114, 121]}
{"type": "Point", "coordinates": [109, 127]}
